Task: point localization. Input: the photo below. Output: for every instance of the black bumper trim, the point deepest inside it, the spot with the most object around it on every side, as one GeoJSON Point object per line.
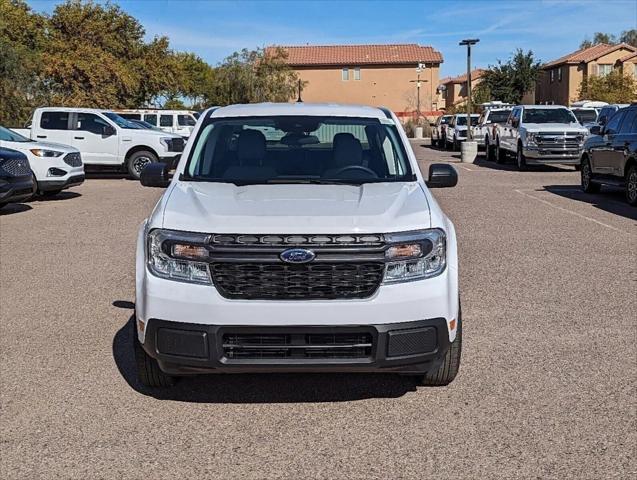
{"type": "Point", "coordinates": [16, 190]}
{"type": "Point", "coordinates": [208, 357]}
{"type": "Point", "coordinates": [46, 185]}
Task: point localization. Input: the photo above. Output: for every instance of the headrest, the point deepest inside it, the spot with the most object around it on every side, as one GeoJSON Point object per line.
{"type": "Point", "coordinates": [347, 150]}
{"type": "Point", "coordinates": [251, 146]}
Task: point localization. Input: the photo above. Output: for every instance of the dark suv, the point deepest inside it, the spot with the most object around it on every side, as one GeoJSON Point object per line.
{"type": "Point", "coordinates": [16, 179]}
{"type": "Point", "coordinates": [610, 154]}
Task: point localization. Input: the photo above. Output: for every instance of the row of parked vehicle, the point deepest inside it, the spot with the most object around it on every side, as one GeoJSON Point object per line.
{"type": "Point", "coordinates": [58, 142]}
{"type": "Point", "coordinates": [598, 139]}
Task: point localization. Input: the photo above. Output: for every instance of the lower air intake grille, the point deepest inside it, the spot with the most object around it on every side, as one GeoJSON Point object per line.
{"type": "Point", "coordinates": [239, 346]}
{"type": "Point", "coordinates": [297, 282]}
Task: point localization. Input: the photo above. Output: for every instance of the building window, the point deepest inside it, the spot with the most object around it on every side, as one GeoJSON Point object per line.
{"type": "Point", "coordinates": [357, 73]}
{"type": "Point", "coordinates": [552, 76]}
{"type": "Point", "coordinates": [559, 74]}
{"type": "Point", "coordinates": [345, 74]}
{"type": "Point", "coordinates": [604, 69]}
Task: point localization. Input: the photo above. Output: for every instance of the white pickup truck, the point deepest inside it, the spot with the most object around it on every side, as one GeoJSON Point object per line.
{"type": "Point", "coordinates": [104, 138]}
{"type": "Point", "coordinates": [540, 134]}
{"type": "Point", "coordinates": [484, 132]}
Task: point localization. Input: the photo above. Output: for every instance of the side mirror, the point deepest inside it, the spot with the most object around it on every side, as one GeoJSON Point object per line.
{"type": "Point", "coordinates": [442, 175]}
{"type": "Point", "coordinates": [155, 175]}
{"type": "Point", "coordinates": [596, 130]}
{"type": "Point", "coordinates": [515, 123]}
{"type": "Point", "coordinates": [108, 131]}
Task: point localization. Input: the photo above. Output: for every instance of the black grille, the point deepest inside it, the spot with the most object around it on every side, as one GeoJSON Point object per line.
{"type": "Point", "coordinates": [73, 159]}
{"type": "Point", "coordinates": [287, 281]}
{"type": "Point", "coordinates": [15, 167]}
{"type": "Point", "coordinates": [297, 240]}
{"type": "Point", "coordinates": [238, 346]}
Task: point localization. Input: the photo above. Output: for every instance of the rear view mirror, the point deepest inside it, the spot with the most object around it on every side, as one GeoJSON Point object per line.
{"type": "Point", "coordinates": [155, 175]}
{"type": "Point", "coordinates": [442, 175]}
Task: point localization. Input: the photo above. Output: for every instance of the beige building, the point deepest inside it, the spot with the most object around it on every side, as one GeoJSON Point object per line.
{"type": "Point", "coordinates": [560, 80]}
{"type": "Point", "coordinates": [454, 89]}
{"type": "Point", "coordinates": [369, 75]}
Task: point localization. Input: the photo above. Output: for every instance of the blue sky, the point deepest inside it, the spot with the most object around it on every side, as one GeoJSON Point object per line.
{"type": "Point", "coordinates": [214, 29]}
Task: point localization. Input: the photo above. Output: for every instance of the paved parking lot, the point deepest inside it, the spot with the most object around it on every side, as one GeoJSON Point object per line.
{"type": "Point", "coordinates": [547, 387]}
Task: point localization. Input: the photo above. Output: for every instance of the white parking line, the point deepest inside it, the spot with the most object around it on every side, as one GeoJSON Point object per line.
{"type": "Point", "coordinates": [546, 202]}
{"type": "Point", "coordinates": [466, 168]}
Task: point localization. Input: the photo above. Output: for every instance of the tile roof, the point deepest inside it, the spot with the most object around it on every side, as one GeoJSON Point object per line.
{"type": "Point", "coordinates": [475, 74]}
{"type": "Point", "coordinates": [630, 56]}
{"type": "Point", "coordinates": [588, 54]}
{"type": "Point", "coordinates": [351, 55]}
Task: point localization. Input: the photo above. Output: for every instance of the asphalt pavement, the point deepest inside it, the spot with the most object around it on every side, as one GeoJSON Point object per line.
{"type": "Point", "coordinates": [546, 389]}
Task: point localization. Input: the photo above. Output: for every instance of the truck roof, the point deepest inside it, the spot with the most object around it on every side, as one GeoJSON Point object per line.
{"type": "Point", "coordinates": [74, 109]}
{"type": "Point", "coordinates": [543, 107]}
{"type": "Point", "coordinates": [299, 108]}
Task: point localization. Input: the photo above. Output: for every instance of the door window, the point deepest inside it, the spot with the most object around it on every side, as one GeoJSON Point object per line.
{"type": "Point", "coordinates": [89, 122]}
{"type": "Point", "coordinates": [55, 121]}
{"type": "Point", "coordinates": [629, 125]}
{"type": "Point", "coordinates": [185, 121]}
{"type": "Point", "coordinates": [166, 121]}
{"type": "Point", "coordinates": [613, 124]}
{"type": "Point", "coordinates": [151, 118]}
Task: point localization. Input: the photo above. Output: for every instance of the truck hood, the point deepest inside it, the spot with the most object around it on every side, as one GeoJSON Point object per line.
{"type": "Point", "coordinates": [281, 209]}
{"type": "Point", "coordinates": [554, 127]}
{"type": "Point", "coordinates": [23, 146]}
{"type": "Point", "coordinates": [152, 133]}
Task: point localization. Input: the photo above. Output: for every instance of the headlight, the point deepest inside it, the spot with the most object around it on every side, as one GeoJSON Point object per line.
{"type": "Point", "coordinates": [530, 137]}
{"type": "Point", "coordinates": [415, 255]}
{"type": "Point", "coordinates": [179, 256]}
{"type": "Point", "coordinates": [42, 152]}
{"type": "Point", "coordinates": [166, 142]}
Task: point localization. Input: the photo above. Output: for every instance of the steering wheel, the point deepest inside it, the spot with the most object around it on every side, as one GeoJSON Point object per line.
{"type": "Point", "coordinates": [355, 167]}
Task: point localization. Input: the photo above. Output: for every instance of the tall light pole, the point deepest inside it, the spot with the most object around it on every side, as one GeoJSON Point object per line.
{"type": "Point", "coordinates": [417, 81]}
{"type": "Point", "coordinates": [468, 42]}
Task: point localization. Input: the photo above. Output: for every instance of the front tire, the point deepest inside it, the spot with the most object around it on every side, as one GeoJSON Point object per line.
{"type": "Point", "coordinates": [631, 185]}
{"type": "Point", "coordinates": [138, 160]}
{"type": "Point", "coordinates": [586, 177]}
{"type": "Point", "coordinates": [520, 160]}
{"type": "Point", "coordinates": [456, 144]}
{"type": "Point", "coordinates": [500, 154]}
{"type": "Point", "coordinates": [148, 371]}
{"type": "Point", "coordinates": [448, 370]}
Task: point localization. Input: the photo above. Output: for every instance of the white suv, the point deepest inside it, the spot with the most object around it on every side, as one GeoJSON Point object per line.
{"type": "Point", "coordinates": [297, 237]}
{"type": "Point", "coordinates": [54, 166]}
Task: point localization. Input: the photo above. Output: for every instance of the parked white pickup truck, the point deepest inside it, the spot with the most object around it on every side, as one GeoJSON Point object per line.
{"type": "Point", "coordinates": [540, 134]}
{"type": "Point", "coordinates": [484, 132]}
{"type": "Point", "coordinates": [104, 138]}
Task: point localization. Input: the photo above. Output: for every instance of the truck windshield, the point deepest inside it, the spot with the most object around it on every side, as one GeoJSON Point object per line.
{"type": "Point", "coordinates": [121, 122]}
{"type": "Point", "coordinates": [585, 116]}
{"type": "Point", "coordinates": [463, 120]}
{"type": "Point", "coordinates": [11, 136]}
{"type": "Point", "coordinates": [298, 149]}
{"type": "Point", "coordinates": [548, 115]}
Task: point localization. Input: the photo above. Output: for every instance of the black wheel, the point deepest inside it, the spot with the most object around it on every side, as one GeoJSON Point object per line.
{"type": "Point", "coordinates": [500, 154]}
{"type": "Point", "coordinates": [434, 142]}
{"type": "Point", "coordinates": [148, 371]}
{"type": "Point", "coordinates": [631, 185]}
{"type": "Point", "coordinates": [520, 160]}
{"type": "Point", "coordinates": [449, 367]}
{"type": "Point", "coordinates": [456, 144]}
{"type": "Point", "coordinates": [489, 150]}
{"type": "Point", "coordinates": [577, 168]}
{"type": "Point", "coordinates": [138, 160]}
{"type": "Point", "coordinates": [586, 176]}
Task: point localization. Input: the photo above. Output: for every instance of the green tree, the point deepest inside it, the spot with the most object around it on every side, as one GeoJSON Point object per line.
{"type": "Point", "coordinates": [252, 76]}
{"type": "Point", "coordinates": [627, 36]}
{"type": "Point", "coordinates": [612, 88]}
{"type": "Point", "coordinates": [510, 81]}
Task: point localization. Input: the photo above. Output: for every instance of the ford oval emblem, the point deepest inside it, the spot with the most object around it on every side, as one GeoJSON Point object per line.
{"type": "Point", "coordinates": [297, 255]}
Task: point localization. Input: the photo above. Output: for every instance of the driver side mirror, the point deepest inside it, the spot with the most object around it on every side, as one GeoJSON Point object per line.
{"type": "Point", "coordinates": [155, 174]}
{"type": "Point", "coordinates": [108, 131]}
{"type": "Point", "coordinates": [442, 175]}
{"type": "Point", "coordinates": [597, 130]}
{"type": "Point", "coordinates": [515, 123]}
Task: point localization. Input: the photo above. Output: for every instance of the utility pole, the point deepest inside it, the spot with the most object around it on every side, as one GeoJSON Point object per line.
{"type": "Point", "coordinates": [417, 81]}
{"type": "Point", "coordinates": [468, 42]}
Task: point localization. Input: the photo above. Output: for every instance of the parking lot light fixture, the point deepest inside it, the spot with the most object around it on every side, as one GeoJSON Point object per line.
{"type": "Point", "coordinates": [468, 42]}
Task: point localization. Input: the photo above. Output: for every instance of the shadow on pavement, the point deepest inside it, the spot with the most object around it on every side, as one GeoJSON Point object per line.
{"type": "Point", "coordinates": [509, 166]}
{"type": "Point", "coordinates": [65, 195]}
{"type": "Point", "coordinates": [610, 199]}
{"type": "Point", "coordinates": [12, 208]}
{"type": "Point", "coordinates": [260, 388]}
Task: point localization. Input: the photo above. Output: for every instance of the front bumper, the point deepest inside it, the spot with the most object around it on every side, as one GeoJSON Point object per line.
{"type": "Point", "coordinates": [51, 185]}
{"type": "Point", "coordinates": [407, 347]}
{"type": "Point", "coordinates": [171, 160]}
{"type": "Point", "coordinates": [16, 189]}
{"type": "Point", "coordinates": [557, 155]}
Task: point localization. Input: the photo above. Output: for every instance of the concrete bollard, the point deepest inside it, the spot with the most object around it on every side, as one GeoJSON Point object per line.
{"type": "Point", "coordinates": [468, 151]}
{"type": "Point", "coordinates": [419, 131]}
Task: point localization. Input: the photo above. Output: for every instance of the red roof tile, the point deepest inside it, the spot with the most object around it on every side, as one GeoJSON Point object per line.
{"type": "Point", "coordinates": [475, 74]}
{"type": "Point", "coordinates": [630, 56]}
{"type": "Point", "coordinates": [588, 54]}
{"type": "Point", "coordinates": [351, 55]}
